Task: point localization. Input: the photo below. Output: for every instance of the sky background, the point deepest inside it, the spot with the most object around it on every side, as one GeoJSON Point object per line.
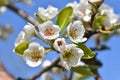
{"type": "Point", "coordinates": [16, 65]}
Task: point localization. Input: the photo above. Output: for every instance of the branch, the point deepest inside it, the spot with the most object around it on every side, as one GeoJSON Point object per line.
{"type": "Point", "coordinates": [45, 69]}
{"type": "Point", "coordinates": [98, 77]}
{"type": "Point", "coordinates": [100, 48]}
{"type": "Point", "coordinates": [22, 14]}
{"type": "Point", "coordinates": [71, 75]}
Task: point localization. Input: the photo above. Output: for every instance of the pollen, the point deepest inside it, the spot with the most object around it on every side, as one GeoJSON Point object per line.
{"type": "Point", "coordinates": [60, 43]}
{"type": "Point", "coordinates": [83, 11]}
{"type": "Point", "coordinates": [73, 32]}
{"type": "Point", "coordinates": [35, 56]}
{"type": "Point", "coordinates": [49, 32]}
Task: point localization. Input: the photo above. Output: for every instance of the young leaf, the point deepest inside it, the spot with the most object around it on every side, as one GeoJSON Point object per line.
{"type": "Point", "coordinates": [64, 17]}
{"type": "Point", "coordinates": [88, 54]}
{"type": "Point", "coordinates": [82, 70]}
{"type": "Point", "coordinates": [21, 48]}
{"type": "Point", "coordinates": [98, 21]}
{"type": "Point", "coordinates": [39, 18]}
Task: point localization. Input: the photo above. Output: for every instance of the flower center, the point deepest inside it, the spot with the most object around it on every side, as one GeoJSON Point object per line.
{"type": "Point", "coordinates": [83, 11]}
{"type": "Point", "coordinates": [36, 56]}
{"type": "Point", "coordinates": [68, 55]}
{"type": "Point", "coordinates": [49, 32]}
{"type": "Point", "coordinates": [74, 33]}
{"type": "Point", "coordinates": [60, 43]}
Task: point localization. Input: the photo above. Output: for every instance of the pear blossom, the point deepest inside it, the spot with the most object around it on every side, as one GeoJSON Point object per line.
{"type": "Point", "coordinates": [76, 32]}
{"type": "Point", "coordinates": [48, 30]}
{"type": "Point", "coordinates": [104, 8]}
{"type": "Point", "coordinates": [49, 13]}
{"type": "Point", "coordinates": [71, 56]}
{"type": "Point", "coordinates": [83, 11]}
{"type": "Point", "coordinates": [22, 37]}
{"type": "Point", "coordinates": [2, 9]}
{"type": "Point", "coordinates": [29, 29]}
{"type": "Point", "coordinates": [111, 18]}
{"type": "Point", "coordinates": [59, 44]}
{"type": "Point", "coordinates": [34, 54]}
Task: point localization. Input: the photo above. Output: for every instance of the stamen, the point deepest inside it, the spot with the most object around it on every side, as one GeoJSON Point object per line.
{"type": "Point", "coordinates": [35, 56]}
{"type": "Point", "coordinates": [60, 43]}
{"type": "Point", "coordinates": [83, 11]}
{"type": "Point", "coordinates": [49, 32]}
{"type": "Point", "coordinates": [74, 32]}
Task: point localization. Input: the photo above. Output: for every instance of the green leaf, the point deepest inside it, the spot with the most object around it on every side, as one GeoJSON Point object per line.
{"type": "Point", "coordinates": [82, 70]}
{"type": "Point", "coordinates": [21, 48]}
{"type": "Point", "coordinates": [105, 37]}
{"type": "Point", "coordinates": [64, 17]}
{"type": "Point", "coordinates": [98, 21]}
{"type": "Point", "coordinates": [88, 53]}
{"type": "Point", "coordinates": [39, 18]}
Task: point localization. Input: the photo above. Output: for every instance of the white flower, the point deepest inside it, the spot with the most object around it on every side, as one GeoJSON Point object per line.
{"type": "Point", "coordinates": [2, 9]}
{"type": "Point", "coordinates": [34, 54]}
{"type": "Point", "coordinates": [46, 63]}
{"type": "Point", "coordinates": [111, 18]}
{"type": "Point", "coordinates": [48, 30]}
{"type": "Point", "coordinates": [48, 13]}
{"type": "Point", "coordinates": [83, 11]}
{"type": "Point", "coordinates": [46, 76]}
{"type": "Point", "coordinates": [29, 29]}
{"type": "Point", "coordinates": [22, 37]}
{"type": "Point", "coordinates": [106, 9]}
{"type": "Point", "coordinates": [76, 32]}
{"type": "Point", "coordinates": [71, 56]}
{"type": "Point", "coordinates": [59, 44]}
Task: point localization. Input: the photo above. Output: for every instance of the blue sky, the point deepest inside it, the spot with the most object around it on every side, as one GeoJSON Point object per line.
{"type": "Point", "coordinates": [16, 65]}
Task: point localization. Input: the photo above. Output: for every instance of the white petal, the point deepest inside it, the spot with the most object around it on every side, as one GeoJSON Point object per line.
{"type": "Point", "coordinates": [52, 11]}
{"type": "Point", "coordinates": [32, 64]}
{"type": "Point", "coordinates": [48, 13]}
{"type": "Point", "coordinates": [106, 9]}
{"type": "Point", "coordinates": [34, 46]}
{"type": "Point", "coordinates": [87, 18]}
{"type": "Point", "coordinates": [22, 37]}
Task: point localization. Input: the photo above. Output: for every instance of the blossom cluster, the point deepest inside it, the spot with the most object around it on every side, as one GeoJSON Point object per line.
{"type": "Point", "coordinates": [70, 53]}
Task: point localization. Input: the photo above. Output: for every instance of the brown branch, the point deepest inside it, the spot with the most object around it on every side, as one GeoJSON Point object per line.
{"type": "Point", "coordinates": [100, 48]}
{"type": "Point", "coordinates": [45, 69]}
{"type": "Point", "coordinates": [22, 14]}
{"type": "Point", "coordinates": [97, 77]}
{"type": "Point", "coordinates": [71, 76]}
